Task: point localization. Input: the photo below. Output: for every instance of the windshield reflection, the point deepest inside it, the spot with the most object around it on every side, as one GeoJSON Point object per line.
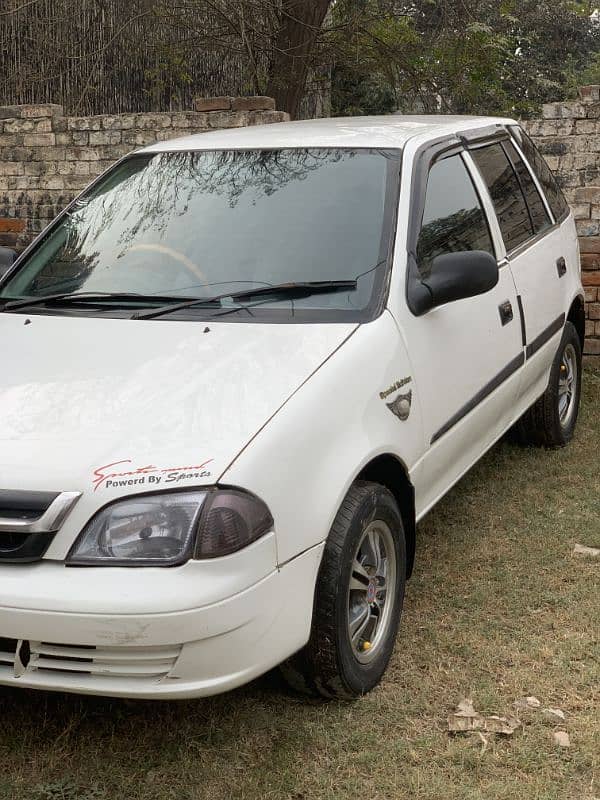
{"type": "Point", "coordinates": [195, 224]}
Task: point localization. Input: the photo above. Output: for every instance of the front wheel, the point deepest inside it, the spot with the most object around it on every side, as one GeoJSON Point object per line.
{"type": "Point", "coordinates": [358, 598]}
{"type": "Point", "coordinates": [550, 422]}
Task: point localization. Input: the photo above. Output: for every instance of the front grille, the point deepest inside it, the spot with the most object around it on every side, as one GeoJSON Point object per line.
{"type": "Point", "coordinates": [20, 514]}
{"type": "Point", "coordinates": [21, 548]}
{"type": "Point", "coordinates": [8, 648]}
{"type": "Point", "coordinates": [107, 662]}
{"type": "Point", "coordinates": [29, 521]}
{"type": "Point", "coordinates": [119, 662]}
{"type": "Point", "coordinates": [25, 505]}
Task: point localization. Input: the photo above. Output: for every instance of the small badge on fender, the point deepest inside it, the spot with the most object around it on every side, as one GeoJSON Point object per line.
{"type": "Point", "coordinates": [401, 405]}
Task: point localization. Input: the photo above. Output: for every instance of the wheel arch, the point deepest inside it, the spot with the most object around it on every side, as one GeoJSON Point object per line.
{"type": "Point", "coordinates": [389, 471]}
{"type": "Point", "coordinates": [576, 316]}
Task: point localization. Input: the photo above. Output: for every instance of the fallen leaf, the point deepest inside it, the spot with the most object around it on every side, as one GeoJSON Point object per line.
{"type": "Point", "coordinates": [505, 725]}
{"type": "Point", "coordinates": [554, 714]}
{"type": "Point", "coordinates": [466, 719]}
{"type": "Point", "coordinates": [561, 738]}
{"type": "Point", "coordinates": [527, 702]}
{"type": "Point", "coordinates": [484, 742]}
{"type": "Point", "coordinates": [465, 709]}
{"type": "Point", "coordinates": [584, 550]}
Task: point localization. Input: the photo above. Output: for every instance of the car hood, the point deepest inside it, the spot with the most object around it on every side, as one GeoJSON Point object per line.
{"type": "Point", "coordinates": [118, 406]}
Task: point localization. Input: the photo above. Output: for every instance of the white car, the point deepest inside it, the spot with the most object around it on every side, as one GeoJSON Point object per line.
{"type": "Point", "coordinates": [238, 370]}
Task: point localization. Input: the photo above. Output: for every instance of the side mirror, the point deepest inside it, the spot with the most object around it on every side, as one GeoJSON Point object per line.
{"type": "Point", "coordinates": [7, 259]}
{"type": "Point", "coordinates": [456, 276]}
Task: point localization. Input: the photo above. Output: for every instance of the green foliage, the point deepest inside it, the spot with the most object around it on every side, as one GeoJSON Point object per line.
{"type": "Point", "coordinates": [355, 94]}
{"type": "Point", "coordinates": [475, 56]}
{"type": "Point", "coordinates": [591, 72]}
{"type": "Point", "coordinates": [370, 54]}
{"type": "Point", "coordinates": [167, 77]}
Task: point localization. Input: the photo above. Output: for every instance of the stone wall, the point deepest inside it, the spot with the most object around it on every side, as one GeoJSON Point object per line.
{"type": "Point", "coordinates": [46, 158]}
{"type": "Point", "coordinates": [569, 137]}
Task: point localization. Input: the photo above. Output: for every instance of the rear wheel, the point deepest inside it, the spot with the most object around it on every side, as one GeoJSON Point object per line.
{"type": "Point", "coordinates": [550, 422]}
{"type": "Point", "coordinates": [358, 599]}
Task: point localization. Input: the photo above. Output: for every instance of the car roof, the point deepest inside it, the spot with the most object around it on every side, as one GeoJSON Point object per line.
{"type": "Point", "coordinates": [391, 131]}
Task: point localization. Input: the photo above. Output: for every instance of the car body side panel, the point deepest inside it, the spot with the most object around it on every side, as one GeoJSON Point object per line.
{"type": "Point", "coordinates": [457, 350]}
{"type": "Point", "coordinates": [303, 462]}
{"type": "Point", "coordinates": [545, 298]}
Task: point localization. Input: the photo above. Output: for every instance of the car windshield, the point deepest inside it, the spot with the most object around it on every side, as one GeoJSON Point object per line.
{"type": "Point", "coordinates": [188, 224]}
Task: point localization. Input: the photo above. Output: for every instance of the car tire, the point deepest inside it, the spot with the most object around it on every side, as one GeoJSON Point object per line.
{"type": "Point", "coordinates": [358, 599]}
{"type": "Point", "coordinates": [551, 420]}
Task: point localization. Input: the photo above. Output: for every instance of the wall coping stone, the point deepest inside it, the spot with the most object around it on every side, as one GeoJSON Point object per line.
{"type": "Point", "coordinates": [212, 103]}
{"type": "Point", "coordinates": [589, 94]}
{"type": "Point", "coordinates": [31, 111]}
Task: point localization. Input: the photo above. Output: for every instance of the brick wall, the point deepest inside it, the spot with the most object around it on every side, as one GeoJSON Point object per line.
{"type": "Point", "coordinates": [569, 137]}
{"type": "Point", "coordinates": [46, 159]}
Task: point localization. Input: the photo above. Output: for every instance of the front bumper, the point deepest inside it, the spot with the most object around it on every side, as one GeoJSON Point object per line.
{"type": "Point", "coordinates": [188, 652]}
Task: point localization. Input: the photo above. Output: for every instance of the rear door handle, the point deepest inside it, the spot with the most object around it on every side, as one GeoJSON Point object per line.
{"type": "Point", "coordinates": [506, 312]}
{"type": "Point", "coordinates": [561, 267]}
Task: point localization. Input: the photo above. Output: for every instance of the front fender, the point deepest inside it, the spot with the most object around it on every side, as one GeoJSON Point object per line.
{"type": "Point", "coordinates": [305, 459]}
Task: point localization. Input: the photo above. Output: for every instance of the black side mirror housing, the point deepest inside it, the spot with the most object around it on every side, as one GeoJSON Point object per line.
{"type": "Point", "coordinates": [7, 259]}
{"type": "Point", "coordinates": [456, 276]}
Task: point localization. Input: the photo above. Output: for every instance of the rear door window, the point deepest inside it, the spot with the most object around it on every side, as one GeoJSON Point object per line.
{"type": "Point", "coordinates": [540, 218]}
{"type": "Point", "coordinates": [553, 192]}
{"type": "Point", "coordinates": [507, 197]}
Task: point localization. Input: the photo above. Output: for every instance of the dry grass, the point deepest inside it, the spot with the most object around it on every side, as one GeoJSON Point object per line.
{"type": "Point", "coordinates": [498, 609]}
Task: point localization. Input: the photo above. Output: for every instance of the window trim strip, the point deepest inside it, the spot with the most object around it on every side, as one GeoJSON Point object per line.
{"type": "Point", "coordinates": [486, 390]}
{"type": "Point", "coordinates": [545, 336]}
{"type": "Point", "coordinates": [526, 245]}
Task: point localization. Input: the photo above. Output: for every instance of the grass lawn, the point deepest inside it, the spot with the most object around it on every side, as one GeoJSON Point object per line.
{"type": "Point", "coordinates": [498, 609]}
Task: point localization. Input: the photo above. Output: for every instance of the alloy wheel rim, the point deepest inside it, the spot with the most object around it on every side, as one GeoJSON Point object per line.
{"type": "Point", "coordinates": [371, 591]}
{"type": "Point", "coordinates": [567, 385]}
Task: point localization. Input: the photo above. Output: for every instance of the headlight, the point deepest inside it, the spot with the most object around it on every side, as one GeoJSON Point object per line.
{"type": "Point", "coordinates": [168, 529]}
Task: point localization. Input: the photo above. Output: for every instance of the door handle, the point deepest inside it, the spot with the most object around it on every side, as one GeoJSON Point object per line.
{"type": "Point", "coordinates": [561, 267]}
{"type": "Point", "coordinates": [506, 312]}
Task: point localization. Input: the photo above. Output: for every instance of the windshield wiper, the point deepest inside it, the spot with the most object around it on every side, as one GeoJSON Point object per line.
{"type": "Point", "coordinates": [11, 305]}
{"type": "Point", "coordinates": [285, 290]}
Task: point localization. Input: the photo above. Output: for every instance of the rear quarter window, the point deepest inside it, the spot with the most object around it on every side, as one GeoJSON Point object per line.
{"type": "Point", "coordinates": [553, 192]}
{"type": "Point", "coordinates": [507, 197]}
{"type": "Point", "coordinates": [540, 218]}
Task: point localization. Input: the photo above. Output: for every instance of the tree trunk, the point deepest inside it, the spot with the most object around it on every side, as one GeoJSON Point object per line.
{"type": "Point", "coordinates": [301, 22]}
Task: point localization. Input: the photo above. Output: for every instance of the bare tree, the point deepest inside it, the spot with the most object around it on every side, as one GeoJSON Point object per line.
{"type": "Point", "coordinates": [299, 28]}
{"type": "Point", "coordinates": [106, 56]}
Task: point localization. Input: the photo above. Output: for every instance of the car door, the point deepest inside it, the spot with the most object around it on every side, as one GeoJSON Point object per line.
{"type": "Point", "coordinates": [466, 355]}
{"type": "Point", "coordinates": [537, 254]}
